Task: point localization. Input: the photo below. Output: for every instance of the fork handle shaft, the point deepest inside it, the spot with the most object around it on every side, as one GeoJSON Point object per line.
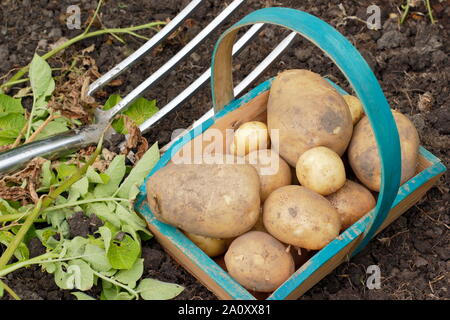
{"type": "Point", "coordinates": [53, 146]}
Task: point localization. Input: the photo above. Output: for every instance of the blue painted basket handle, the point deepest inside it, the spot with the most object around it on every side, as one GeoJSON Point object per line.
{"type": "Point", "coordinates": [358, 74]}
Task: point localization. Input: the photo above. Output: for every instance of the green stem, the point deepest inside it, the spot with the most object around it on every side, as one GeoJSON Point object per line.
{"type": "Point", "coordinates": [9, 290]}
{"type": "Point", "coordinates": [43, 258]}
{"type": "Point", "coordinates": [405, 13]}
{"type": "Point", "coordinates": [134, 293]}
{"type": "Point", "coordinates": [19, 74]}
{"type": "Point", "coordinates": [8, 253]}
{"type": "Point", "coordinates": [44, 203]}
{"type": "Point", "coordinates": [15, 82]}
{"type": "Point", "coordinates": [93, 18]}
{"type": "Point", "coordinates": [430, 11]}
{"type": "Point", "coordinates": [30, 119]}
{"type": "Point", "coordinates": [18, 216]}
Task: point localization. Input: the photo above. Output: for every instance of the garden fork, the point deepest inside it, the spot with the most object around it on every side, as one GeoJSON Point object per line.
{"type": "Point", "coordinates": [69, 141]}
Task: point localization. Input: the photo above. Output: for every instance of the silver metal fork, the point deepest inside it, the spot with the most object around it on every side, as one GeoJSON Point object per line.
{"type": "Point", "coordinates": [69, 141]}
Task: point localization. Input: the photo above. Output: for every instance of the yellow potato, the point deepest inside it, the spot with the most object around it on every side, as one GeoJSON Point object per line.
{"type": "Point", "coordinates": [363, 151]}
{"type": "Point", "coordinates": [250, 136]}
{"type": "Point", "coordinates": [352, 202]}
{"type": "Point", "coordinates": [273, 171]}
{"type": "Point", "coordinates": [355, 107]}
{"type": "Point", "coordinates": [308, 112]}
{"type": "Point", "coordinates": [259, 262]}
{"type": "Point", "coordinates": [321, 170]}
{"type": "Point", "coordinates": [298, 216]}
{"type": "Point", "coordinates": [211, 246]}
{"type": "Point", "coordinates": [212, 200]}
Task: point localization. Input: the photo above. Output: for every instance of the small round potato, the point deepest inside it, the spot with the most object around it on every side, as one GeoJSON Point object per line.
{"type": "Point", "coordinates": [211, 246]}
{"type": "Point", "coordinates": [273, 171]}
{"type": "Point", "coordinates": [363, 151]}
{"type": "Point", "coordinates": [259, 262]}
{"type": "Point", "coordinates": [321, 170]}
{"type": "Point", "coordinates": [355, 107]}
{"type": "Point", "coordinates": [301, 217]}
{"type": "Point", "coordinates": [250, 136]}
{"type": "Point", "coordinates": [352, 201]}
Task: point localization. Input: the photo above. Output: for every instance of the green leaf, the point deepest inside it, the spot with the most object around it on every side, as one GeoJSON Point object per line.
{"type": "Point", "coordinates": [123, 254]}
{"type": "Point", "coordinates": [130, 218]}
{"type": "Point", "coordinates": [12, 121]}
{"type": "Point", "coordinates": [77, 274]}
{"type": "Point", "coordinates": [96, 257]}
{"type": "Point", "coordinates": [22, 252]}
{"type": "Point", "coordinates": [82, 296]}
{"type": "Point", "coordinates": [106, 235]}
{"type": "Point", "coordinates": [115, 172]}
{"type": "Point", "coordinates": [56, 126]}
{"type": "Point", "coordinates": [112, 101]}
{"type": "Point", "coordinates": [141, 110]}
{"type": "Point", "coordinates": [101, 210]}
{"type": "Point", "coordinates": [41, 102]}
{"type": "Point", "coordinates": [131, 276]}
{"type": "Point", "coordinates": [76, 246]}
{"type": "Point", "coordinates": [6, 208]}
{"type": "Point", "coordinates": [46, 174]}
{"type": "Point", "coordinates": [112, 292]}
{"type": "Point", "coordinates": [151, 289]}
{"type": "Point", "coordinates": [40, 77]}
{"type": "Point", "coordinates": [10, 105]}
{"type": "Point", "coordinates": [138, 111]}
{"type": "Point", "coordinates": [10, 126]}
{"type": "Point", "coordinates": [119, 125]}
{"type": "Point", "coordinates": [139, 172]}
{"type": "Point", "coordinates": [57, 219]}
{"type": "Point", "coordinates": [81, 186]}
{"type": "Point", "coordinates": [65, 170]}
{"type": "Point", "coordinates": [93, 176]}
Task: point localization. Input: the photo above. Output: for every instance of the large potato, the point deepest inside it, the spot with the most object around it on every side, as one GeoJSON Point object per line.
{"type": "Point", "coordinates": [259, 262]}
{"type": "Point", "coordinates": [212, 200]}
{"type": "Point", "coordinates": [308, 112]}
{"type": "Point", "coordinates": [321, 170]}
{"type": "Point", "coordinates": [363, 151]}
{"type": "Point", "coordinates": [273, 171]}
{"type": "Point", "coordinates": [300, 217]}
{"type": "Point", "coordinates": [352, 201]}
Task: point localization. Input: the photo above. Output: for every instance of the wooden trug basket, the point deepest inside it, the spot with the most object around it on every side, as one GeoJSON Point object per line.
{"type": "Point", "coordinates": [392, 201]}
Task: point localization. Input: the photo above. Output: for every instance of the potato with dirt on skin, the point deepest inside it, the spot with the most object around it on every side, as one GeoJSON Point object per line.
{"type": "Point", "coordinates": [355, 107]}
{"type": "Point", "coordinates": [259, 262]}
{"type": "Point", "coordinates": [301, 217]}
{"type": "Point", "coordinates": [273, 171]}
{"type": "Point", "coordinates": [212, 200]}
{"type": "Point", "coordinates": [211, 246]}
{"type": "Point", "coordinates": [363, 151]}
{"type": "Point", "coordinates": [250, 136]}
{"type": "Point", "coordinates": [321, 170]}
{"type": "Point", "coordinates": [352, 202]}
{"type": "Point", "coordinates": [308, 112]}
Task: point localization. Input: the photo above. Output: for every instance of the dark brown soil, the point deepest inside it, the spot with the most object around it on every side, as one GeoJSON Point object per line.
{"type": "Point", "coordinates": [411, 62]}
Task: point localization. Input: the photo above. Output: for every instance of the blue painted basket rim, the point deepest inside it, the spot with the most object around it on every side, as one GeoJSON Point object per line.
{"type": "Point", "coordinates": [234, 289]}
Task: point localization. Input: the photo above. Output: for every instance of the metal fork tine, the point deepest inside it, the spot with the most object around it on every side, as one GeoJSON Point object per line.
{"type": "Point", "coordinates": [169, 65]}
{"type": "Point", "coordinates": [200, 82]}
{"type": "Point", "coordinates": [244, 84]}
{"type": "Point", "coordinates": [149, 45]}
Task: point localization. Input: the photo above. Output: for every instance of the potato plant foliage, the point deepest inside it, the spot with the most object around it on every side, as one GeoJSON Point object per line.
{"type": "Point", "coordinates": [111, 257]}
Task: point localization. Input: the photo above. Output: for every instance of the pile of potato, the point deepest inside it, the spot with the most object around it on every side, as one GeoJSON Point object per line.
{"type": "Point", "coordinates": [266, 220]}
